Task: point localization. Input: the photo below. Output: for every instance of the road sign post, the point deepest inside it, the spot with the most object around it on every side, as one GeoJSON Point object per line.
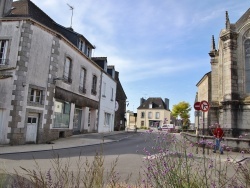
{"type": "Point", "coordinates": [204, 107]}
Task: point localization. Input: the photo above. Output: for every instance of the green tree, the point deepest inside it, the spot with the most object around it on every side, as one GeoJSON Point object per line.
{"type": "Point", "coordinates": [182, 110]}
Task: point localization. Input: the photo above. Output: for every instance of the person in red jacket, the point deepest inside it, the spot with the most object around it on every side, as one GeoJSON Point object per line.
{"type": "Point", "coordinates": [218, 134]}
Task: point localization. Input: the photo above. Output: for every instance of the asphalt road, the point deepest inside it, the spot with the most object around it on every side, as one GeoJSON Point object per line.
{"type": "Point", "coordinates": [127, 148]}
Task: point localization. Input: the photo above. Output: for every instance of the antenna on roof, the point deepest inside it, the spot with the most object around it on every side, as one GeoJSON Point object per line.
{"type": "Point", "coordinates": [71, 8]}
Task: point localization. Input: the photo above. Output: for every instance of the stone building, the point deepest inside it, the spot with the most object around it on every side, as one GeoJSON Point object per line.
{"type": "Point", "coordinates": [229, 96]}
{"type": "Point", "coordinates": [49, 85]}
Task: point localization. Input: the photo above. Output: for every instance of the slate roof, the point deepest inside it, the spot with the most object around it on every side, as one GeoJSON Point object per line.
{"type": "Point", "coordinates": [26, 8]}
{"type": "Point", "coordinates": [100, 61]}
{"type": "Point", "coordinates": [157, 102]}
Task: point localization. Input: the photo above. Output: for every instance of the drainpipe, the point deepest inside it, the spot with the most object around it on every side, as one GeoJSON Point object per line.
{"type": "Point", "coordinates": [100, 92]}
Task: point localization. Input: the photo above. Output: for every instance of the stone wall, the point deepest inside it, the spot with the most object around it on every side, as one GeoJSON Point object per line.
{"type": "Point", "coordinates": [235, 144]}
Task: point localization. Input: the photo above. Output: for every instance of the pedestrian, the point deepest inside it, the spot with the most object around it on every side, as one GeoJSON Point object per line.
{"type": "Point", "coordinates": [218, 134]}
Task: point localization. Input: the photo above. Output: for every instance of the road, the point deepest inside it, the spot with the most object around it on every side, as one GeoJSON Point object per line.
{"type": "Point", "coordinates": [127, 147]}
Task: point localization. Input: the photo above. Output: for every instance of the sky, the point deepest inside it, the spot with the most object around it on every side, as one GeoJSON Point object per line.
{"type": "Point", "coordinates": [159, 47]}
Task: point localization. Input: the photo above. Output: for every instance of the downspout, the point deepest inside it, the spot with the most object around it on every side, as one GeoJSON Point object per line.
{"type": "Point", "coordinates": [100, 92]}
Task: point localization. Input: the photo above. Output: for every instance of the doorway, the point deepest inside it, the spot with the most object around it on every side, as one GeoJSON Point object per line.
{"type": "Point", "coordinates": [77, 121]}
{"type": "Point", "coordinates": [32, 125]}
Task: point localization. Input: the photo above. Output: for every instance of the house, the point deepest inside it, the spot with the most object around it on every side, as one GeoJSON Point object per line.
{"type": "Point", "coordinates": [202, 119]}
{"type": "Point", "coordinates": [49, 85]}
{"type": "Point", "coordinates": [153, 112]}
{"type": "Point", "coordinates": [131, 118]}
{"type": "Point", "coordinates": [121, 99]}
{"type": "Point", "coordinates": [106, 112]}
{"type": "Point", "coordinates": [229, 92]}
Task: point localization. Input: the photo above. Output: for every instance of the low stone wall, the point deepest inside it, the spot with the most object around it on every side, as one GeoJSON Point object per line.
{"type": "Point", "coordinates": [234, 144]}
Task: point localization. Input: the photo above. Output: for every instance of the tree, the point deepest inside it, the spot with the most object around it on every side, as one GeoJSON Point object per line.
{"type": "Point", "coordinates": [182, 110]}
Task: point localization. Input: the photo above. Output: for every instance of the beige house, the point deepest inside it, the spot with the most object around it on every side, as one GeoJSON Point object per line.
{"type": "Point", "coordinates": [203, 94]}
{"type": "Point", "coordinates": [229, 96]}
{"type": "Point", "coordinates": [153, 112]}
{"type": "Point", "coordinates": [131, 119]}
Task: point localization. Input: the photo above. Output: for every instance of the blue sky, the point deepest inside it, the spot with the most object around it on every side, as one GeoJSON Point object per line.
{"type": "Point", "coordinates": [159, 47]}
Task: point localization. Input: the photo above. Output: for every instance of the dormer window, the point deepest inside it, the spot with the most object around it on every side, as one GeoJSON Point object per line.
{"type": "Point", "coordinates": [150, 105]}
{"type": "Point", "coordinates": [81, 45]}
{"type": "Point", "coordinates": [88, 52]}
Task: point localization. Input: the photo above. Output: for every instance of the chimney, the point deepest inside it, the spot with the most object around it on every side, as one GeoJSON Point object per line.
{"type": "Point", "coordinates": [142, 101]}
{"type": "Point", "coordinates": [5, 7]}
{"type": "Point", "coordinates": [167, 103]}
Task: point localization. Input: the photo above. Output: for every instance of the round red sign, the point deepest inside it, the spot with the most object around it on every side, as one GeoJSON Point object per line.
{"type": "Point", "coordinates": [204, 106]}
{"type": "Point", "coordinates": [197, 106]}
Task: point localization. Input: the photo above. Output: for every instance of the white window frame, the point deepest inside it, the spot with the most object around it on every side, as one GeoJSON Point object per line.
{"type": "Point", "coordinates": [149, 115]}
{"type": "Point", "coordinates": [157, 115]}
{"type": "Point", "coordinates": [81, 45]}
{"type": "Point", "coordinates": [83, 80]}
{"type": "Point", "coordinates": [94, 85]}
{"type": "Point", "coordinates": [112, 94]}
{"type": "Point", "coordinates": [67, 69]}
{"type": "Point", "coordinates": [107, 119]}
{"type": "Point", "coordinates": [3, 51]}
{"type": "Point", "coordinates": [36, 94]}
{"type": "Point", "coordinates": [104, 90]}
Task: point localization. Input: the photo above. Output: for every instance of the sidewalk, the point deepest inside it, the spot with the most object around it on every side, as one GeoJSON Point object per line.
{"type": "Point", "coordinates": [62, 143]}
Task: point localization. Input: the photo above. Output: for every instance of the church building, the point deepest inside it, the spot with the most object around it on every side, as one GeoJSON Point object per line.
{"type": "Point", "coordinates": [228, 84]}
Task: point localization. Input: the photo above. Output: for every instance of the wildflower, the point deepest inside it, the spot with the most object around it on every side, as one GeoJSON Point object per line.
{"type": "Point", "coordinates": [190, 155]}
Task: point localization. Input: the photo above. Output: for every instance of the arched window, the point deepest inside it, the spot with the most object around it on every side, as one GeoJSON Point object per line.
{"type": "Point", "coordinates": [247, 64]}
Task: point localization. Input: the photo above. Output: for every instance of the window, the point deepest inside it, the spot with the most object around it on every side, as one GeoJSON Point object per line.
{"type": "Point", "coordinates": [150, 105]}
{"type": "Point", "coordinates": [67, 70]}
{"type": "Point", "coordinates": [36, 96]}
{"type": "Point", "coordinates": [88, 52]}
{"type": "Point", "coordinates": [112, 94]}
{"type": "Point", "coordinates": [62, 115]}
{"type": "Point", "coordinates": [150, 115]}
{"type": "Point", "coordinates": [107, 119]}
{"type": "Point", "coordinates": [3, 52]}
{"type": "Point", "coordinates": [89, 120]}
{"type": "Point", "coordinates": [142, 114]}
{"type": "Point", "coordinates": [142, 123]}
{"type": "Point", "coordinates": [247, 65]}
{"type": "Point", "coordinates": [32, 120]}
{"type": "Point", "coordinates": [94, 82]}
{"type": "Point", "coordinates": [82, 81]}
{"type": "Point", "coordinates": [104, 89]}
{"type": "Point", "coordinates": [157, 115]}
{"type": "Point", "coordinates": [81, 45]}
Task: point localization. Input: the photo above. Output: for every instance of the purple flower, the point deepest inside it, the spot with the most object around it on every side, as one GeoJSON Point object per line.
{"type": "Point", "coordinates": [190, 155]}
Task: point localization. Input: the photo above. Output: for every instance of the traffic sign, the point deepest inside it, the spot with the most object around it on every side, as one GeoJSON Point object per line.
{"type": "Point", "coordinates": [197, 106]}
{"type": "Point", "coordinates": [204, 106]}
